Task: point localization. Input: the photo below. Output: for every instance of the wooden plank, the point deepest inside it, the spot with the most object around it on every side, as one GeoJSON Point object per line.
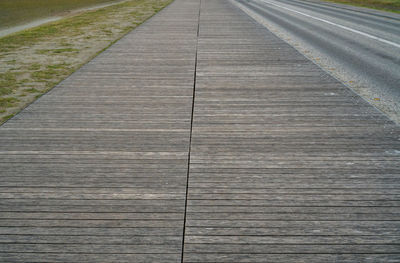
{"type": "Point", "coordinates": [285, 257]}
{"type": "Point", "coordinates": [95, 170]}
{"type": "Point", "coordinates": [91, 257]}
{"type": "Point", "coordinates": [286, 163]}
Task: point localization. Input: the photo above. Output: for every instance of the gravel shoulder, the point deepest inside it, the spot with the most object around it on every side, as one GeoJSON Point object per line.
{"type": "Point", "coordinates": [361, 65]}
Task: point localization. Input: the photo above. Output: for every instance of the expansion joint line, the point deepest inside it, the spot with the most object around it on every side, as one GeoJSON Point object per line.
{"type": "Point", "coordinates": [190, 136]}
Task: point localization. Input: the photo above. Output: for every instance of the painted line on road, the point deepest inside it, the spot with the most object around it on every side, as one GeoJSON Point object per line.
{"type": "Point", "coordinates": [337, 25]}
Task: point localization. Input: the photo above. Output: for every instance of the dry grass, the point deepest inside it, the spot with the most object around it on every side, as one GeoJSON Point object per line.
{"type": "Point", "coordinates": [14, 12]}
{"type": "Point", "coordinates": [386, 5]}
{"type": "Point", "coordinates": [35, 60]}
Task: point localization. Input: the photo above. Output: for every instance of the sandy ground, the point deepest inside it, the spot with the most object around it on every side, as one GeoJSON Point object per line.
{"type": "Point", "coordinates": [38, 22]}
{"type": "Point", "coordinates": [32, 69]}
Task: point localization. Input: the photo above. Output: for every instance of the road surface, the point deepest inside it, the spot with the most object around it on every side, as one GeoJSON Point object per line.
{"type": "Point", "coordinates": [359, 46]}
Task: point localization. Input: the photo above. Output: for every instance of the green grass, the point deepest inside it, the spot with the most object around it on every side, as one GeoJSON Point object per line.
{"type": "Point", "coordinates": [8, 80]}
{"type": "Point", "coordinates": [386, 5]}
{"type": "Point", "coordinates": [7, 102]}
{"type": "Point", "coordinates": [57, 50]}
{"type": "Point", "coordinates": [70, 27]}
{"type": "Point", "coordinates": [32, 90]}
{"type": "Point", "coordinates": [14, 12]}
{"type": "Point", "coordinates": [43, 74]}
{"type": "Point", "coordinates": [34, 66]}
{"type": "Point", "coordinates": [5, 91]}
{"type": "Point", "coordinates": [58, 66]}
{"type": "Point", "coordinates": [7, 117]}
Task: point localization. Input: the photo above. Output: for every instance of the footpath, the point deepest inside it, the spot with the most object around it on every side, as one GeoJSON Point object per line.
{"type": "Point", "coordinates": [200, 137]}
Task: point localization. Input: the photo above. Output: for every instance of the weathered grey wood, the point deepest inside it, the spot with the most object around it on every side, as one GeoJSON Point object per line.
{"type": "Point", "coordinates": [91, 257]}
{"type": "Point", "coordinates": [95, 170]}
{"type": "Point", "coordinates": [92, 231]}
{"type": "Point", "coordinates": [304, 230]}
{"type": "Point", "coordinates": [93, 239]}
{"type": "Point", "coordinates": [285, 257]}
{"type": "Point", "coordinates": [286, 163]}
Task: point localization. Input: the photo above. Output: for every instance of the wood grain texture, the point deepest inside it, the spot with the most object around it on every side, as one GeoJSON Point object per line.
{"type": "Point", "coordinates": [95, 170]}
{"type": "Point", "coordinates": [287, 164]}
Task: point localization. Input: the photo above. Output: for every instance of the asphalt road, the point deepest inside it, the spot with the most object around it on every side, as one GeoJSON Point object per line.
{"type": "Point", "coordinates": [359, 46]}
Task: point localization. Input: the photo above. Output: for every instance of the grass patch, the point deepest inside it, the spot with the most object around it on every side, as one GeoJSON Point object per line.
{"type": "Point", "coordinates": [35, 60]}
{"type": "Point", "coordinates": [58, 66]}
{"type": "Point", "coordinates": [50, 73]}
{"type": "Point", "coordinates": [8, 80]}
{"type": "Point", "coordinates": [61, 28]}
{"type": "Point", "coordinates": [385, 5]}
{"type": "Point", "coordinates": [7, 102]}
{"type": "Point", "coordinates": [5, 91]}
{"type": "Point", "coordinates": [5, 118]}
{"type": "Point", "coordinates": [65, 44]}
{"type": "Point", "coordinates": [13, 12]}
{"type": "Point", "coordinates": [57, 50]}
{"type": "Point", "coordinates": [31, 90]}
{"type": "Point", "coordinates": [34, 66]}
{"type": "Point", "coordinates": [43, 74]}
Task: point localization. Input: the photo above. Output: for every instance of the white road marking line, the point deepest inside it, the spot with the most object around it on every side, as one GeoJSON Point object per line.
{"type": "Point", "coordinates": [334, 24]}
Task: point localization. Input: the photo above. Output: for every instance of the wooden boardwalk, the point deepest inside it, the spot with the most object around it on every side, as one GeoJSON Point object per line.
{"type": "Point", "coordinates": [200, 137]}
{"type": "Point", "coordinates": [95, 171]}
